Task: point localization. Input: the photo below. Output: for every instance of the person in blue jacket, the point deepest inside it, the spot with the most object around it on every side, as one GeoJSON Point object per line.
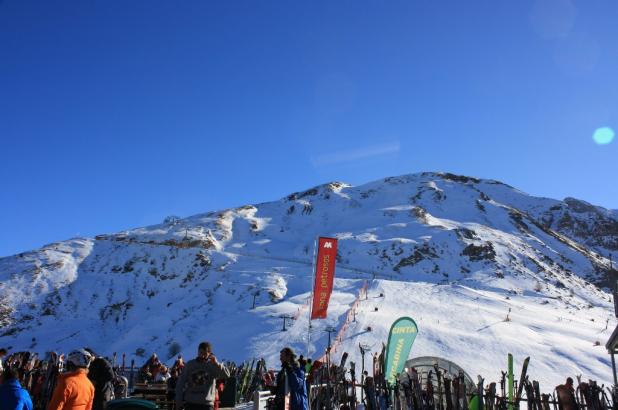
{"type": "Point", "coordinates": [12, 395]}
{"type": "Point", "coordinates": [291, 380]}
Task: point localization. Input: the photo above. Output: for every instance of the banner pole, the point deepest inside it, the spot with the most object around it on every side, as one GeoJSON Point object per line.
{"type": "Point", "coordinates": [312, 287]}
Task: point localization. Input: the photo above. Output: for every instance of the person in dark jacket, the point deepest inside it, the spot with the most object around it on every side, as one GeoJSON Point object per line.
{"type": "Point", "coordinates": [12, 395]}
{"type": "Point", "coordinates": [291, 380]}
{"type": "Point", "coordinates": [101, 374]}
{"type": "Point", "coordinates": [566, 395]}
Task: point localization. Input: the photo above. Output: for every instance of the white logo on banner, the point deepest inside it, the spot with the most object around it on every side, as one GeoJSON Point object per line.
{"type": "Point", "coordinates": [328, 245]}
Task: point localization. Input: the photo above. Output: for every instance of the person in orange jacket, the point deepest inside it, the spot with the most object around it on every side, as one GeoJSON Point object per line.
{"type": "Point", "coordinates": [74, 391]}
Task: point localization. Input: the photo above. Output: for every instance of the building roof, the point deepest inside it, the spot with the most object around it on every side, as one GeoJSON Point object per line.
{"type": "Point", "coordinates": [612, 343]}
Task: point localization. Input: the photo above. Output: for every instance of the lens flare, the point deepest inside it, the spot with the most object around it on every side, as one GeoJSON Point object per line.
{"type": "Point", "coordinates": [604, 135]}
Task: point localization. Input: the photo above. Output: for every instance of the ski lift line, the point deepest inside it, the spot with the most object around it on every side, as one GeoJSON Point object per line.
{"type": "Point", "coordinates": [348, 319]}
{"type": "Point", "coordinates": [236, 253]}
{"type": "Point", "coordinates": [306, 263]}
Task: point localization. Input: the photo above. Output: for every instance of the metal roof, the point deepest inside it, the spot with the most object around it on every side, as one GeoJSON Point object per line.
{"type": "Point", "coordinates": [612, 343]}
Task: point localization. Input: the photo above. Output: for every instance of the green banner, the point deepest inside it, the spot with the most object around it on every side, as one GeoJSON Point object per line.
{"type": "Point", "coordinates": [400, 340]}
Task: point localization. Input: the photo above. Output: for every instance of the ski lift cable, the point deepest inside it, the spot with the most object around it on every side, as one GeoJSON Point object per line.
{"type": "Point", "coordinates": [277, 258]}
{"type": "Point", "coordinates": [303, 262]}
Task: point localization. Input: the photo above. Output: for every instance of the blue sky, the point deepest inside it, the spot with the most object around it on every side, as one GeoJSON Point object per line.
{"type": "Point", "coordinates": [114, 114]}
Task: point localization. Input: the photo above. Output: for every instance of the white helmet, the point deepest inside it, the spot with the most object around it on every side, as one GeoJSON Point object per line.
{"type": "Point", "coordinates": [79, 358]}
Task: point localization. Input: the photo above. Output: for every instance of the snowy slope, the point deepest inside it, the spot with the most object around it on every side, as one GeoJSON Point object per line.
{"type": "Point", "coordinates": [455, 253]}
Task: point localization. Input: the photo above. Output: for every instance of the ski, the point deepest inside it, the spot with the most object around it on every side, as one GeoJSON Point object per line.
{"type": "Point", "coordinates": [510, 381]}
{"type": "Point", "coordinates": [529, 394]}
{"type": "Point", "coordinates": [447, 393]}
{"type": "Point", "coordinates": [537, 395]}
{"type": "Point", "coordinates": [479, 392]}
{"type": "Point", "coordinates": [456, 392]}
{"type": "Point", "coordinates": [491, 396]}
{"type": "Point", "coordinates": [439, 378]}
{"type": "Point", "coordinates": [418, 391]}
{"type": "Point", "coordinates": [353, 382]}
{"type": "Point", "coordinates": [522, 377]}
{"type": "Point", "coordinates": [429, 391]}
{"type": "Point", "coordinates": [464, 393]}
{"type": "Point", "coordinates": [545, 401]}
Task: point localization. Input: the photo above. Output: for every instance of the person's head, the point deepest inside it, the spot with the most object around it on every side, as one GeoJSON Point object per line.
{"type": "Point", "coordinates": [7, 375]}
{"type": "Point", "coordinates": [2, 352]}
{"type": "Point", "coordinates": [569, 381]}
{"type": "Point", "coordinates": [92, 353]}
{"type": "Point", "coordinates": [287, 355]}
{"type": "Point", "coordinates": [309, 360]}
{"type": "Point", "coordinates": [204, 350]}
{"type": "Point", "coordinates": [78, 359]}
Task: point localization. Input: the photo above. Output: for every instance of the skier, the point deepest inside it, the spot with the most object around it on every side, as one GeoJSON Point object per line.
{"type": "Point", "coordinates": [74, 391]}
{"type": "Point", "coordinates": [291, 379]}
{"type": "Point", "coordinates": [566, 395]}
{"type": "Point", "coordinates": [195, 389]}
{"type": "Point", "coordinates": [12, 395]}
{"type": "Point", "coordinates": [102, 376]}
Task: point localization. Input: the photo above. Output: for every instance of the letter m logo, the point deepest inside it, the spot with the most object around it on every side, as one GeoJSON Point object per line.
{"type": "Point", "coordinates": [328, 245]}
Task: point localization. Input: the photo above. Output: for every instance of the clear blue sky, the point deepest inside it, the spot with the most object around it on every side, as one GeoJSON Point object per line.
{"type": "Point", "coordinates": [116, 113]}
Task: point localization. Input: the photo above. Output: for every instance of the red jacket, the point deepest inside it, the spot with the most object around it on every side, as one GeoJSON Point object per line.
{"type": "Point", "coordinates": [73, 392]}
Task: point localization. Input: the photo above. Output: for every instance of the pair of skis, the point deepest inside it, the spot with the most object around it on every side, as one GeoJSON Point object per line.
{"type": "Point", "coordinates": [243, 379]}
{"type": "Point", "coordinates": [510, 396]}
{"type": "Point", "coordinates": [591, 396]}
{"type": "Point", "coordinates": [521, 381]}
{"type": "Point", "coordinates": [533, 395]}
{"type": "Point", "coordinates": [452, 394]}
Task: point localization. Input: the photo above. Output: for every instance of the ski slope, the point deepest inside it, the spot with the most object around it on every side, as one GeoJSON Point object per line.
{"type": "Point", "coordinates": [455, 253]}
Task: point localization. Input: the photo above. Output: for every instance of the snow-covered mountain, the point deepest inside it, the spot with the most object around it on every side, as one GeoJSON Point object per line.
{"type": "Point", "coordinates": [483, 268]}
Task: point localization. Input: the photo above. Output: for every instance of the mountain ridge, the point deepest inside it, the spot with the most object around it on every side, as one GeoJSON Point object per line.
{"type": "Point", "coordinates": [460, 236]}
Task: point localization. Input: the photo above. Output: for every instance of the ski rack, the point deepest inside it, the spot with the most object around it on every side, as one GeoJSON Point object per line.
{"type": "Point", "coordinates": [426, 389]}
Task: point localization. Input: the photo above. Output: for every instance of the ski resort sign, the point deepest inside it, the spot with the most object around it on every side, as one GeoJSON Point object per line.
{"type": "Point", "coordinates": [324, 276]}
{"type": "Point", "coordinates": [400, 340]}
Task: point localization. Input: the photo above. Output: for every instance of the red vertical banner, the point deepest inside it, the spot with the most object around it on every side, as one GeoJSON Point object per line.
{"type": "Point", "coordinates": [324, 276]}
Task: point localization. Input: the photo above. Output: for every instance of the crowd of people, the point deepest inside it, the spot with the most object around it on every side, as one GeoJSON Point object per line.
{"type": "Point", "coordinates": [84, 380]}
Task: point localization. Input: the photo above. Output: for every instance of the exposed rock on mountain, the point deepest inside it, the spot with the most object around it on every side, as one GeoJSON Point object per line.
{"type": "Point", "coordinates": [454, 252]}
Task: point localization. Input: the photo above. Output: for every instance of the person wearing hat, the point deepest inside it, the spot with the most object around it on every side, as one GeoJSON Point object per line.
{"type": "Point", "coordinates": [74, 391]}
{"type": "Point", "coordinates": [291, 380]}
